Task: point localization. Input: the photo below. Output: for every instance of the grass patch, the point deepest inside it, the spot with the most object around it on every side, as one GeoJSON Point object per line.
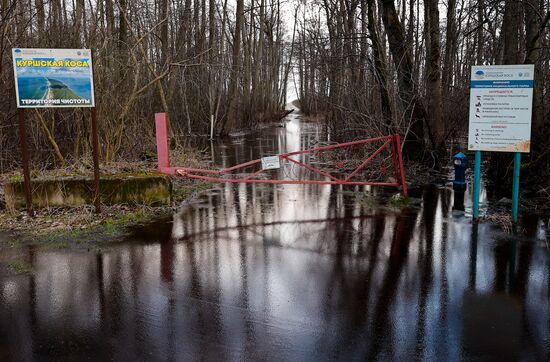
{"type": "Point", "coordinates": [140, 173]}
{"type": "Point", "coordinates": [502, 220]}
{"type": "Point", "coordinates": [183, 190]}
{"type": "Point", "coordinates": [108, 228]}
{"type": "Point", "coordinates": [59, 239]}
{"type": "Point", "coordinates": [16, 178]}
{"type": "Point", "coordinates": [59, 245]}
{"type": "Point", "coordinates": [367, 199]}
{"type": "Point", "coordinates": [19, 267]}
{"type": "Point", "coordinates": [399, 201]}
{"type": "Point", "coordinates": [84, 232]}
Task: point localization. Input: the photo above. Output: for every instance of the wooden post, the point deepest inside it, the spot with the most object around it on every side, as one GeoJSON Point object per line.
{"type": "Point", "coordinates": [401, 180]}
{"type": "Point", "coordinates": [25, 155]}
{"type": "Point", "coordinates": [95, 152]}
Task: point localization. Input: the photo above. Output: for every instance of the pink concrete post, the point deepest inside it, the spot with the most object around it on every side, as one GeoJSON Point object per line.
{"type": "Point", "coordinates": [163, 148]}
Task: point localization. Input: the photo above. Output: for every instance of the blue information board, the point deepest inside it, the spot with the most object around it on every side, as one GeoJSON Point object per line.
{"type": "Point", "coordinates": [53, 78]}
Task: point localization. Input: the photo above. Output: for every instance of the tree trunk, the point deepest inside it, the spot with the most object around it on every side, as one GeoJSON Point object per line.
{"type": "Point", "coordinates": [122, 27]}
{"type": "Point", "coordinates": [414, 112]}
{"type": "Point", "coordinates": [233, 114]}
{"type": "Point", "coordinates": [450, 48]}
{"type": "Point", "coordinates": [433, 65]}
{"type": "Point", "coordinates": [534, 30]}
{"type": "Point", "coordinates": [163, 20]}
{"type": "Point", "coordinates": [479, 32]}
{"type": "Point", "coordinates": [510, 32]}
{"type": "Point", "coordinates": [110, 14]}
{"type": "Point", "coordinates": [380, 65]}
{"type": "Point", "coordinates": [500, 162]}
{"type": "Point", "coordinates": [79, 19]}
{"type": "Point", "coordinates": [40, 17]}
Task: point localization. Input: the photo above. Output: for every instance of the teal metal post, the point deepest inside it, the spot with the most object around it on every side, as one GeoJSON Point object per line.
{"type": "Point", "coordinates": [477, 182]}
{"type": "Point", "coordinates": [515, 189]}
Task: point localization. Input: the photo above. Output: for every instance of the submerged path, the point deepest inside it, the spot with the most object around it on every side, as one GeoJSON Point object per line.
{"type": "Point", "coordinates": [290, 272]}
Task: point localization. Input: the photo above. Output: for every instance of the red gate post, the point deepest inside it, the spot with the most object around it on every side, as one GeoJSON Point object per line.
{"type": "Point", "coordinates": [162, 127]}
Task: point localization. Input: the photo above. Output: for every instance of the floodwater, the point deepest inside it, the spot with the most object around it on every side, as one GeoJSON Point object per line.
{"type": "Point", "coordinates": [290, 272]}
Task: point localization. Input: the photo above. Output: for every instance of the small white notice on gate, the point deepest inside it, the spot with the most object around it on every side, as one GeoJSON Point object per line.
{"type": "Point", "coordinates": [501, 102]}
{"type": "Point", "coordinates": [271, 163]}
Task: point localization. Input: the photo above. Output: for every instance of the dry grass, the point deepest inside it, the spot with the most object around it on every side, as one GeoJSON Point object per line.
{"type": "Point", "coordinates": [503, 220]}
{"type": "Point", "coordinates": [55, 219]}
{"type": "Point", "coordinates": [314, 118]}
{"type": "Point", "coordinates": [184, 156]}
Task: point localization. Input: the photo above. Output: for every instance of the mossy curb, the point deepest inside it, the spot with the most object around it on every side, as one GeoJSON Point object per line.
{"type": "Point", "coordinates": [123, 189]}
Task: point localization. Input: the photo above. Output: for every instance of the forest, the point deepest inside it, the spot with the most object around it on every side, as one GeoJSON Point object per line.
{"type": "Point", "coordinates": [365, 67]}
{"type": "Point", "coordinates": [199, 61]}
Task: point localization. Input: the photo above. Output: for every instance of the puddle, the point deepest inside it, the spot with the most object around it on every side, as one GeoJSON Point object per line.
{"type": "Point", "coordinates": [289, 272]}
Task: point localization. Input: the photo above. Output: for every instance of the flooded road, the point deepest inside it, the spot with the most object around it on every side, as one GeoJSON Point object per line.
{"type": "Point", "coordinates": [290, 272]}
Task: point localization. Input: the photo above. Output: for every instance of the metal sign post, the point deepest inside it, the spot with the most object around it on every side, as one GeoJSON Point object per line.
{"type": "Point", "coordinates": [95, 152]}
{"type": "Point", "coordinates": [515, 188]}
{"type": "Point", "coordinates": [501, 100]}
{"type": "Point", "coordinates": [477, 182]}
{"type": "Point", "coordinates": [54, 78]}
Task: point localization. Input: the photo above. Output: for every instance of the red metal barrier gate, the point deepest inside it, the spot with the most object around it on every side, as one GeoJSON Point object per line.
{"type": "Point", "coordinates": [338, 176]}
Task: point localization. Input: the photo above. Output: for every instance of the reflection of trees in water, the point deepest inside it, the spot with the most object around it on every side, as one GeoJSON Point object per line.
{"type": "Point", "coordinates": [525, 255]}
{"type": "Point", "coordinates": [425, 263]}
{"type": "Point", "coordinates": [348, 274]}
{"type": "Point", "coordinates": [342, 285]}
{"type": "Point", "coordinates": [350, 287]}
{"type": "Point", "coordinates": [200, 293]}
{"type": "Point", "coordinates": [248, 329]}
{"type": "Point", "coordinates": [101, 293]}
{"type": "Point", "coordinates": [446, 209]}
{"type": "Point", "coordinates": [399, 250]}
{"type": "Point", "coordinates": [334, 216]}
{"type": "Point", "coordinates": [337, 283]}
{"type": "Point", "coordinates": [349, 291]}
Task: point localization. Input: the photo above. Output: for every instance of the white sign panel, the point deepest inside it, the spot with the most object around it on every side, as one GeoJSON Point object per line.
{"type": "Point", "coordinates": [271, 163]}
{"type": "Point", "coordinates": [501, 101]}
{"type": "Point", "coordinates": [53, 78]}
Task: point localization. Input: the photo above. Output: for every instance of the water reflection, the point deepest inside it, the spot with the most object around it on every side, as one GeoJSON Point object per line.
{"type": "Point", "coordinates": [289, 272]}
